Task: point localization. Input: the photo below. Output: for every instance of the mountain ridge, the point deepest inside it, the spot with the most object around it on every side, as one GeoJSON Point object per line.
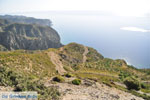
{"type": "Point", "coordinates": [26, 20]}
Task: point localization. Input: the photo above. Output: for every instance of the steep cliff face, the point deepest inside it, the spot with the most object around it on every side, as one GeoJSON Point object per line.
{"type": "Point", "coordinates": [20, 32]}
{"type": "Point", "coordinates": [29, 37]}
{"type": "Point", "coordinates": [27, 20]}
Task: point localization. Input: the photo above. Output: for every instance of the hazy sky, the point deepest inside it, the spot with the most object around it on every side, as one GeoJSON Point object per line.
{"type": "Point", "coordinates": [120, 7]}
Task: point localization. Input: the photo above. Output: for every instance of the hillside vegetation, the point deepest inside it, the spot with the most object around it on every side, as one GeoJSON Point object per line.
{"type": "Point", "coordinates": [79, 61]}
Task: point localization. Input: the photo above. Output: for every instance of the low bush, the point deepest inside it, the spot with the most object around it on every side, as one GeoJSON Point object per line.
{"type": "Point", "coordinates": [144, 86]}
{"type": "Point", "coordinates": [68, 75]}
{"type": "Point", "coordinates": [58, 79]}
{"type": "Point", "coordinates": [132, 83]}
{"type": "Point", "coordinates": [76, 82]}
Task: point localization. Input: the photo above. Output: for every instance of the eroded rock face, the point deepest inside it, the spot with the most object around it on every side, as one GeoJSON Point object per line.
{"type": "Point", "coordinates": [28, 36]}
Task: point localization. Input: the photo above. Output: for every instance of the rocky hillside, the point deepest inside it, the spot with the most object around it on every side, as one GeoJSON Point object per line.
{"type": "Point", "coordinates": [26, 20]}
{"type": "Point", "coordinates": [27, 36]}
{"type": "Point", "coordinates": [90, 90]}
{"type": "Point", "coordinates": [72, 72]}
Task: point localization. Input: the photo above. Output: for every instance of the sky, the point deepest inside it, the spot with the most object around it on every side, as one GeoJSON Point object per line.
{"type": "Point", "coordinates": [119, 7]}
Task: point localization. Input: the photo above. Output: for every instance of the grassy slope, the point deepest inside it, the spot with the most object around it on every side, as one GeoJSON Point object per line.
{"type": "Point", "coordinates": [27, 71]}
{"type": "Point", "coordinates": [31, 63]}
{"type": "Point", "coordinates": [37, 65]}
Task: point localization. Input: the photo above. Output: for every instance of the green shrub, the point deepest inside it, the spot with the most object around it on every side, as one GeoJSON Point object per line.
{"type": "Point", "coordinates": [143, 86]}
{"type": "Point", "coordinates": [58, 79]}
{"type": "Point", "coordinates": [124, 75]}
{"type": "Point", "coordinates": [132, 83]}
{"type": "Point", "coordinates": [76, 82]}
{"type": "Point", "coordinates": [68, 75]}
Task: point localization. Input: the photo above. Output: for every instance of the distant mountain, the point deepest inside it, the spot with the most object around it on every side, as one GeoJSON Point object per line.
{"type": "Point", "coordinates": [27, 36]}
{"type": "Point", "coordinates": [27, 20]}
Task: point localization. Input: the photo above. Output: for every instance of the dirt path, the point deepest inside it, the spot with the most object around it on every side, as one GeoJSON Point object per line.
{"type": "Point", "coordinates": [61, 49]}
{"type": "Point", "coordinates": [55, 60]}
{"type": "Point", "coordinates": [85, 53]}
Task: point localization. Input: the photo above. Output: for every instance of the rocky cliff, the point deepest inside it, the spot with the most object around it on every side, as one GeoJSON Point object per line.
{"type": "Point", "coordinates": [27, 36]}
